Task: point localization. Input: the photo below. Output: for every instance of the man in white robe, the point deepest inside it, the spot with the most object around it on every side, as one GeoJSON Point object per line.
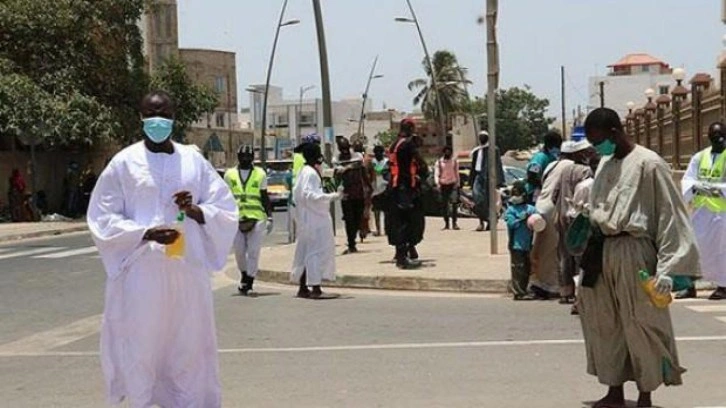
{"type": "Point", "coordinates": [158, 340]}
{"type": "Point", "coordinates": [704, 186]}
{"type": "Point", "coordinates": [641, 224]}
{"type": "Point", "coordinates": [315, 248]}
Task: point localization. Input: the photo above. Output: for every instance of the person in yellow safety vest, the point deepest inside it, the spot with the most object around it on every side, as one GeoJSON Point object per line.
{"type": "Point", "coordinates": [704, 186]}
{"type": "Point", "coordinates": [249, 188]}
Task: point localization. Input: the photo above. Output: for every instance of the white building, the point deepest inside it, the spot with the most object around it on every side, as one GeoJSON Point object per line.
{"type": "Point", "coordinates": [627, 81]}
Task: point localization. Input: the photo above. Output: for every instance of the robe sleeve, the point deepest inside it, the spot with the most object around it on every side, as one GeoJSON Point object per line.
{"type": "Point", "coordinates": [690, 178]}
{"type": "Point", "coordinates": [675, 240]}
{"type": "Point", "coordinates": [313, 191]}
{"type": "Point", "coordinates": [221, 218]}
{"type": "Point", "coordinates": [116, 236]}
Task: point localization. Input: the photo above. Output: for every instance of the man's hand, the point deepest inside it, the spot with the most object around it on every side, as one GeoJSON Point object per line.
{"type": "Point", "coordinates": [663, 285]}
{"type": "Point", "coordinates": [162, 235]}
{"type": "Point", "coordinates": [270, 225]}
{"type": "Point", "coordinates": [185, 202]}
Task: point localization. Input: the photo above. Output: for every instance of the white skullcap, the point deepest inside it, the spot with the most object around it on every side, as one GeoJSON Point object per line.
{"type": "Point", "coordinates": [571, 146]}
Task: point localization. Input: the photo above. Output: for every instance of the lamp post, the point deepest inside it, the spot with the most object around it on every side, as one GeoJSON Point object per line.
{"type": "Point", "coordinates": [679, 93]}
{"type": "Point", "coordinates": [434, 82]}
{"type": "Point", "coordinates": [638, 114]}
{"type": "Point", "coordinates": [629, 119]}
{"type": "Point", "coordinates": [699, 83]}
{"type": "Point", "coordinates": [662, 102]}
{"type": "Point", "coordinates": [649, 110]}
{"type": "Point", "coordinates": [371, 77]}
{"type": "Point", "coordinates": [281, 23]}
{"type": "Point", "coordinates": [303, 90]}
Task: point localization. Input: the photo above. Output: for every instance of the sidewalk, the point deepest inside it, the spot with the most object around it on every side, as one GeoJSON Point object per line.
{"type": "Point", "coordinates": [456, 261]}
{"type": "Point", "coordinates": [12, 231]}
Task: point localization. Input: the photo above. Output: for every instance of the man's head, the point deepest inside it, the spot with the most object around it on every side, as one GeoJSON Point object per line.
{"type": "Point", "coordinates": [358, 147]}
{"type": "Point", "coordinates": [245, 156]}
{"type": "Point", "coordinates": [604, 131]}
{"type": "Point", "coordinates": [310, 138]}
{"type": "Point", "coordinates": [312, 154]}
{"type": "Point", "coordinates": [483, 137]}
{"type": "Point", "coordinates": [379, 151]}
{"type": "Point", "coordinates": [448, 152]}
{"type": "Point", "coordinates": [552, 142]}
{"type": "Point", "coordinates": [717, 136]}
{"type": "Point", "coordinates": [157, 114]}
{"type": "Point", "coordinates": [518, 192]}
{"type": "Point", "coordinates": [580, 152]}
{"type": "Point", "coordinates": [408, 127]}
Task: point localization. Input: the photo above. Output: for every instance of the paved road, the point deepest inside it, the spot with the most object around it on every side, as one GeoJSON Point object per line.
{"type": "Point", "coordinates": [368, 349]}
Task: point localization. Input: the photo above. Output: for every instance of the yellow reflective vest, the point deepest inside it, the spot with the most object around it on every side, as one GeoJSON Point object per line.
{"type": "Point", "coordinates": [711, 172]}
{"type": "Point", "coordinates": [248, 194]}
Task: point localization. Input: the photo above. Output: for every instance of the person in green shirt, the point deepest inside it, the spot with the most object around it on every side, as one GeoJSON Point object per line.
{"type": "Point", "coordinates": [536, 168]}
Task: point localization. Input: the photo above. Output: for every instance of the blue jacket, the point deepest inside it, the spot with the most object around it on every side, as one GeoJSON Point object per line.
{"type": "Point", "coordinates": [520, 236]}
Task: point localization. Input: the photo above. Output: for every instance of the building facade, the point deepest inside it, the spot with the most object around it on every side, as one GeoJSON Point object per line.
{"type": "Point", "coordinates": [160, 31]}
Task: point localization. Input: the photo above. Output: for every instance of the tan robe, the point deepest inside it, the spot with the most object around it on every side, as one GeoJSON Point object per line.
{"type": "Point", "coordinates": [545, 255]}
{"type": "Point", "coordinates": [626, 337]}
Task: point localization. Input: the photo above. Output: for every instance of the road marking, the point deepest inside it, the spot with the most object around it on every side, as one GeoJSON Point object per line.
{"type": "Point", "coordinates": [708, 308]}
{"type": "Point", "coordinates": [53, 338]}
{"type": "Point", "coordinates": [365, 347]}
{"type": "Point", "coordinates": [71, 252]}
{"type": "Point", "coordinates": [5, 250]}
{"type": "Point", "coordinates": [721, 318]}
{"type": "Point", "coordinates": [29, 252]}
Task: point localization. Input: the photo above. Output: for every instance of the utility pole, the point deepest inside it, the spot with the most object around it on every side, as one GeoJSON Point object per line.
{"type": "Point", "coordinates": [325, 85]}
{"type": "Point", "coordinates": [602, 94]}
{"type": "Point", "coordinates": [492, 85]}
{"type": "Point", "coordinates": [564, 109]}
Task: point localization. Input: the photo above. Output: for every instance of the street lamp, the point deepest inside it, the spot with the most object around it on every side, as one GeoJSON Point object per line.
{"type": "Point", "coordinates": [413, 19]}
{"type": "Point", "coordinates": [281, 23]}
{"type": "Point", "coordinates": [361, 120]}
{"type": "Point", "coordinates": [303, 90]}
{"type": "Point", "coordinates": [699, 83]}
{"type": "Point", "coordinates": [663, 102]}
{"type": "Point", "coordinates": [679, 93]}
{"type": "Point", "coordinates": [649, 109]}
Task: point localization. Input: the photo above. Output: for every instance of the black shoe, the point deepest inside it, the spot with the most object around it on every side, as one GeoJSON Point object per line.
{"type": "Point", "coordinates": [350, 250]}
{"type": "Point", "coordinates": [446, 227]}
{"type": "Point", "coordinates": [303, 293]}
{"type": "Point", "coordinates": [539, 293]}
{"type": "Point", "coordinates": [456, 227]}
{"type": "Point", "coordinates": [406, 263]}
{"type": "Point", "coordinates": [718, 294]}
{"type": "Point", "coordinates": [413, 253]}
{"type": "Point", "coordinates": [689, 293]}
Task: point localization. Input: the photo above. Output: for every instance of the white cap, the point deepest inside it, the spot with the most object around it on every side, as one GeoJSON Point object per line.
{"type": "Point", "coordinates": [483, 132]}
{"type": "Point", "coordinates": [571, 146]}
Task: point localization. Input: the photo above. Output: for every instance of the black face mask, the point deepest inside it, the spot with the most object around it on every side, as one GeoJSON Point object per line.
{"type": "Point", "coordinates": [245, 162]}
{"type": "Point", "coordinates": [447, 156]}
{"type": "Point", "coordinates": [718, 141]}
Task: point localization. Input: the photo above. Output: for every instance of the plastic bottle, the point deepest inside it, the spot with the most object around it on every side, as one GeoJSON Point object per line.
{"type": "Point", "coordinates": [647, 282]}
{"type": "Point", "coordinates": [177, 248]}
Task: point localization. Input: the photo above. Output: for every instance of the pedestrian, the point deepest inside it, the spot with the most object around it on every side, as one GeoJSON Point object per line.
{"type": "Point", "coordinates": [520, 240]}
{"type": "Point", "coordinates": [158, 341]}
{"type": "Point", "coordinates": [88, 183]}
{"type": "Point", "coordinates": [298, 163]}
{"type": "Point", "coordinates": [574, 171]}
{"type": "Point", "coordinates": [703, 186]}
{"type": "Point", "coordinates": [71, 188]}
{"type": "Point", "coordinates": [351, 173]}
{"type": "Point", "coordinates": [446, 177]}
{"type": "Point", "coordinates": [479, 179]}
{"type": "Point", "coordinates": [315, 248]}
{"type": "Point", "coordinates": [404, 188]}
{"type": "Point", "coordinates": [369, 177]}
{"type": "Point", "coordinates": [640, 224]}
{"type": "Point", "coordinates": [382, 173]}
{"type": "Point", "coordinates": [16, 197]}
{"type": "Point", "coordinates": [549, 153]}
{"type": "Point", "coordinates": [249, 188]}
{"type": "Point", "coordinates": [545, 283]}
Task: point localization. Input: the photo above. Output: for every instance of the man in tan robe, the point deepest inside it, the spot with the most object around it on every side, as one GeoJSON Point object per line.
{"type": "Point", "coordinates": [644, 225]}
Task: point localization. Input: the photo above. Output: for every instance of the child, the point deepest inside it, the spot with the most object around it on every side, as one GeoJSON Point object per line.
{"type": "Point", "coordinates": [520, 240]}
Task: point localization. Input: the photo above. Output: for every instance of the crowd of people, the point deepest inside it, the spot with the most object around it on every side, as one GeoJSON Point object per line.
{"type": "Point", "coordinates": [602, 208]}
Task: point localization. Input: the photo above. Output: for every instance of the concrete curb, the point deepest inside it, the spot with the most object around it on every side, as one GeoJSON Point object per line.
{"type": "Point", "coordinates": [396, 282]}
{"type": "Point", "coordinates": [40, 234]}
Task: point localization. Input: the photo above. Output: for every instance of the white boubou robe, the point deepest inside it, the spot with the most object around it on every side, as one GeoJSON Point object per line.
{"type": "Point", "coordinates": [315, 248]}
{"type": "Point", "coordinates": [710, 227]}
{"type": "Point", "coordinates": [158, 340]}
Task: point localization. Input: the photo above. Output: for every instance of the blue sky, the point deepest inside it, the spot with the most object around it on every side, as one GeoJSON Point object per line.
{"type": "Point", "coordinates": [536, 37]}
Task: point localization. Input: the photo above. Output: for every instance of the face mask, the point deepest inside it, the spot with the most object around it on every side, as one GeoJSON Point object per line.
{"type": "Point", "coordinates": [447, 156]}
{"type": "Point", "coordinates": [605, 148]}
{"type": "Point", "coordinates": [158, 129]}
{"type": "Point", "coordinates": [245, 162]}
{"type": "Point", "coordinates": [516, 200]}
{"type": "Point", "coordinates": [717, 141]}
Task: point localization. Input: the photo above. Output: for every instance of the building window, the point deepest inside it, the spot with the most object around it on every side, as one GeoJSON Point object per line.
{"type": "Point", "coordinates": [219, 119]}
{"type": "Point", "coordinates": [645, 68]}
{"type": "Point", "coordinates": [281, 120]}
{"type": "Point", "coordinates": [307, 118]}
{"type": "Point", "coordinates": [220, 84]}
{"type": "Point", "coordinates": [663, 90]}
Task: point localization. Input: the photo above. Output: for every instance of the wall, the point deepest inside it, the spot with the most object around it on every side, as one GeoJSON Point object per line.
{"type": "Point", "coordinates": [218, 71]}
{"type": "Point", "coordinates": [619, 90]}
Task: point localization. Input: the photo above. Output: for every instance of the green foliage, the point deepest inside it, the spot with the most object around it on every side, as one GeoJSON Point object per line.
{"type": "Point", "coordinates": [192, 101]}
{"type": "Point", "coordinates": [386, 138]}
{"type": "Point", "coordinates": [521, 117]}
{"type": "Point", "coordinates": [450, 86]}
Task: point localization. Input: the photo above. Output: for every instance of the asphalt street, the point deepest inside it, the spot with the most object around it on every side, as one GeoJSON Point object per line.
{"type": "Point", "coordinates": [366, 349]}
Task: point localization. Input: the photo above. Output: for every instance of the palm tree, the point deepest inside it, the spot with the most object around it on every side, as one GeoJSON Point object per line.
{"type": "Point", "coordinates": [450, 86]}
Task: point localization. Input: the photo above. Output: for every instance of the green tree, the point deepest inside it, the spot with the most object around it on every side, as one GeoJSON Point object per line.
{"type": "Point", "coordinates": [521, 117]}
{"type": "Point", "coordinates": [450, 86]}
{"type": "Point", "coordinates": [386, 138]}
{"type": "Point", "coordinates": [192, 100]}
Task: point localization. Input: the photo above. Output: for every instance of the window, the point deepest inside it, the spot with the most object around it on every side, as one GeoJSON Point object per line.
{"type": "Point", "coordinates": [645, 68]}
{"type": "Point", "coordinates": [307, 118]}
{"type": "Point", "coordinates": [219, 119]}
{"type": "Point", "coordinates": [220, 84]}
{"type": "Point", "coordinates": [663, 90]}
{"type": "Point", "coordinates": [281, 120]}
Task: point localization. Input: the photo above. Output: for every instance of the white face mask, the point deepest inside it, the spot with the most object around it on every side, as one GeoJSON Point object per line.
{"type": "Point", "coordinates": [516, 200]}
